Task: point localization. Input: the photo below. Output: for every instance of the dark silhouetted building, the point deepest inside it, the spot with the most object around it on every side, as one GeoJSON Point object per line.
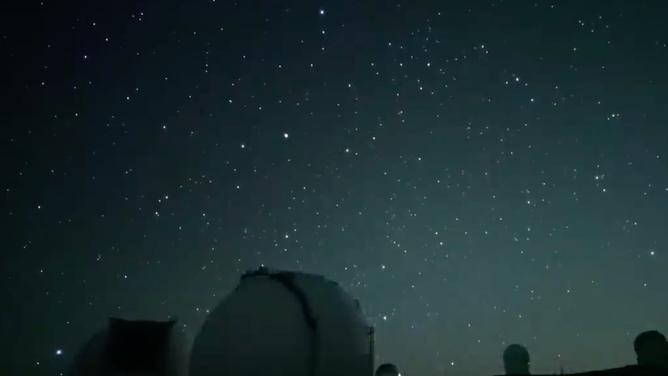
{"type": "Point", "coordinates": [651, 349]}
{"type": "Point", "coordinates": [134, 348]}
{"type": "Point", "coordinates": [387, 369]}
{"type": "Point", "coordinates": [516, 360]}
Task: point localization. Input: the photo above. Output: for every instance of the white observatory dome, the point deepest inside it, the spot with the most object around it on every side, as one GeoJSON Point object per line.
{"type": "Point", "coordinates": [133, 348]}
{"type": "Point", "coordinates": [284, 323]}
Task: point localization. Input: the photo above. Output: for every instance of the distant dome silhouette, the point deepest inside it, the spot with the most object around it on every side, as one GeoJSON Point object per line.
{"type": "Point", "coordinates": [516, 352]}
{"type": "Point", "coordinates": [136, 348]}
{"type": "Point", "coordinates": [283, 323]}
{"type": "Point", "coordinates": [516, 360]}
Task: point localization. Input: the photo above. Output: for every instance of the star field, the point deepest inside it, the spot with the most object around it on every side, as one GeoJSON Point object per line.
{"type": "Point", "coordinates": [477, 173]}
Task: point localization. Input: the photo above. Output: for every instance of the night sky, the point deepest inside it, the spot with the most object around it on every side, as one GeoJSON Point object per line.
{"type": "Point", "coordinates": [477, 173]}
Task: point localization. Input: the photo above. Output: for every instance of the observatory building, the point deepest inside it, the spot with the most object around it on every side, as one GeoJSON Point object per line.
{"type": "Point", "coordinates": [274, 323]}
{"type": "Point", "coordinates": [133, 348]}
{"type": "Point", "coordinates": [284, 323]}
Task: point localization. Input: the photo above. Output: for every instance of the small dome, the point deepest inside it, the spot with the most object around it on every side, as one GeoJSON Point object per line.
{"type": "Point", "coordinates": [283, 323]}
{"type": "Point", "coordinates": [516, 352]}
{"type": "Point", "coordinates": [133, 348]}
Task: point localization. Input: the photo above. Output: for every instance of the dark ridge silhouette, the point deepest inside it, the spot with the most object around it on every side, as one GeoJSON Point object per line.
{"type": "Point", "coordinates": [634, 370]}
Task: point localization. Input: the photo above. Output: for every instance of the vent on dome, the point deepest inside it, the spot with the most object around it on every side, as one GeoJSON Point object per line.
{"type": "Point", "coordinates": [137, 346]}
